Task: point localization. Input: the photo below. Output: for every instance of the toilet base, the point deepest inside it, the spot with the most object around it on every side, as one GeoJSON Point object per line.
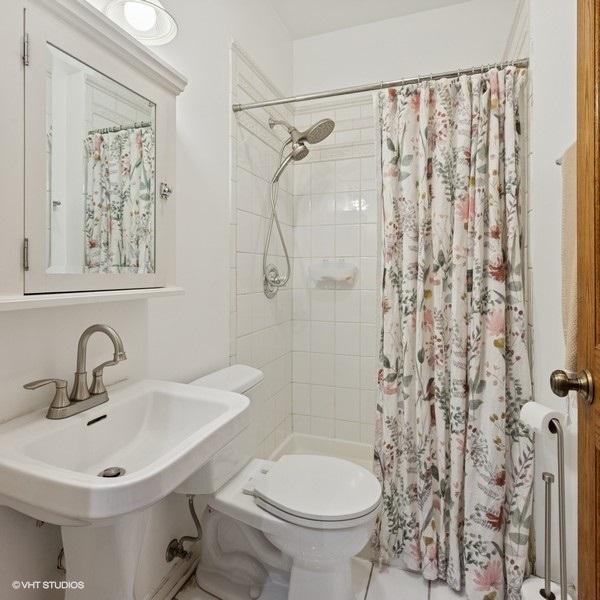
{"type": "Point", "coordinates": [239, 562]}
{"type": "Point", "coordinates": [218, 585]}
{"type": "Point", "coordinates": [331, 581]}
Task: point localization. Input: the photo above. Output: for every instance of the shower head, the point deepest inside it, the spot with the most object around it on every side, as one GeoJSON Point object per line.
{"type": "Point", "coordinates": [318, 132]}
{"type": "Point", "coordinates": [313, 135]}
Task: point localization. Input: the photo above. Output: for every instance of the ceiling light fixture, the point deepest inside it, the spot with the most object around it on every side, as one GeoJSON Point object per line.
{"type": "Point", "coordinates": [146, 20]}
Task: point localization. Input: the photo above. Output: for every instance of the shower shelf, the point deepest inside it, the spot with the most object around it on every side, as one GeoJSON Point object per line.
{"type": "Point", "coordinates": [334, 271]}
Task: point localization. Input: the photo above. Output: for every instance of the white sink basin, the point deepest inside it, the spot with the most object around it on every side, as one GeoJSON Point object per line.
{"type": "Point", "coordinates": [159, 432]}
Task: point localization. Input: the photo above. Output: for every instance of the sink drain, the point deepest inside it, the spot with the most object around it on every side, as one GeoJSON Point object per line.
{"type": "Point", "coordinates": [112, 472]}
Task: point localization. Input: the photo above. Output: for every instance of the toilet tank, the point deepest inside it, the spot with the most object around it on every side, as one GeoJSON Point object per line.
{"type": "Point", "coordinates": [235, 455]}
{"type": "Point", "coordinates": [237, 378]}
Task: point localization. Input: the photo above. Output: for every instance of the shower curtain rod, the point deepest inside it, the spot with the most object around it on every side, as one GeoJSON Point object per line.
{"type": "Point", "coordinates": [120, 128]}
{"type": "Point", "coordinates": [521, 62]}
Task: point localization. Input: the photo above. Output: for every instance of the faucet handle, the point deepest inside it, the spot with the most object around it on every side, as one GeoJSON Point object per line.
{"type": "Point", "coordinates": [38, 383]}
{"type": "Point", "coordinates": [98, 386]}
{"type": "Point", "coordinates": [60, 400]}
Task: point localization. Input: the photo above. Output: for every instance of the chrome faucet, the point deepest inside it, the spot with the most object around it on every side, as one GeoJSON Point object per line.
{"type": "Point", "coordinates": [81, 397]}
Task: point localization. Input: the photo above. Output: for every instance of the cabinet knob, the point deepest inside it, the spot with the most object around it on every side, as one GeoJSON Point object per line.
{"type": "Point", "coordinates": [165, 190]}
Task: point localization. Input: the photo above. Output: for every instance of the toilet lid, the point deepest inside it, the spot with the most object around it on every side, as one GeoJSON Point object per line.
{"type": "Point", "coordinates": [319, 488]}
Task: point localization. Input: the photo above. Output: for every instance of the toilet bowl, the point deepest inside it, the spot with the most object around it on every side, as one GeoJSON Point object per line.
{"type": "Point", "coordinates": [287, 528]}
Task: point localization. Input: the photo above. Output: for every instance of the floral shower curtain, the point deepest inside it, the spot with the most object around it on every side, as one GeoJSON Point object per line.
{"type": "Point", "coordinates": [119, 201]}
{"type": "Point", "coordinates": [455, 462]}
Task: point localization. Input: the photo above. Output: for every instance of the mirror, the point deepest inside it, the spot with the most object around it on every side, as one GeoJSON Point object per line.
{"type": "Point", "coordinates": [100, 176]}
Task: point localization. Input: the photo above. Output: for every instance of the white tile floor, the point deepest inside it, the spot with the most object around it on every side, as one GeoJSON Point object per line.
{"type": "Point", "coordinates": [370, 583]}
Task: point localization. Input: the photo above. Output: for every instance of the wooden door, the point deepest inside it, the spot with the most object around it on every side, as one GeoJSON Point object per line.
{"type": "Point", "coordinates": [588, 236]}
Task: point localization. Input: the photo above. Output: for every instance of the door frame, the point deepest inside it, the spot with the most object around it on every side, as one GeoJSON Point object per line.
{"type": "Point", "coordinates": [588, 350]}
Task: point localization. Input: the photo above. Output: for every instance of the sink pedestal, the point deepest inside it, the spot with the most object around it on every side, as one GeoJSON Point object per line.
{"type": "Point", "coordinates": [104, 557]}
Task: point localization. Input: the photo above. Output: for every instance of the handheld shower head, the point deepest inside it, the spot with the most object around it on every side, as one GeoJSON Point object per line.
{"type": "Point", "coordinates": [297, 141]}
{"type": "Point", "coordinates": [299, 151]}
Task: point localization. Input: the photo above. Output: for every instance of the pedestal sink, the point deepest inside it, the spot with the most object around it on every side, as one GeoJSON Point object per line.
{"type": "Point", "coordinates": [94, 473]}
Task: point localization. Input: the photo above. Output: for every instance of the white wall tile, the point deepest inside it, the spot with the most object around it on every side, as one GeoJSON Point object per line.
{"type": "Point", "coordinates": [322, 427]}
{"type": "Point", "coordinates": [302, 242]}
{"type": "Point", "coordinates": [301, 367]}
{"type": "Point", "coordinates": [347, 404]}
{"type": "Point", "coordinates": [322, 305]}
{"type": "Point", "coordinates": [347, 305]}
{"type": "Point", "coordinates": [347, 171]}
{"type": "Point", "coordinates": [368, 402]}
{"type": "Point", "coordinates": [301, 424]}
{"type": "Point", "coordinates": [322, 369]}
{"type": "Point", "coordinates": [368, 206]}
{"type": "Point", "coordinates": [347, 430]}
{"type": "Point", "coordinates": [368, 240]}
{"type": "Point", "coordinates": [347, 371]}
{"type": "Point", "coordinates": [322, 178]}
{"type": "Point", "coordinates": [302, 211]}
{"type": "Point", "coordinates": [347, 338]}
{"type": "Point", "coordinates": [347, 240]}
{"type": "Point", "coordinates": [301, 173]}
{"type": "Point", "coordinates": [367, 306]}
{"type": "Point", "coordinates": [322, 401]}
{"type": "Point", "coordinates": [301, 336]}
{"type": "Point", "coordinates": [322, 337]}
{"type": "Point", "coordinates": [323, 241]}
{"type": "Point", "coordinates": [368, 372]}
{"type": "Point", "coordinates": [368, 273]}
{"type": "Point", "coordinates": [368, 339]}
{"type": "Point", "coordinates": [301, 398]}
{"type": "Point", "coordinates": [347, 208]}
{"type": "Point", "coordinates": [322, 209]}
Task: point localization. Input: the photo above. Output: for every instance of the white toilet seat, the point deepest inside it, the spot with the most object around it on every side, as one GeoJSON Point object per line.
{"type": "Point", "coordinates": [318, 492]}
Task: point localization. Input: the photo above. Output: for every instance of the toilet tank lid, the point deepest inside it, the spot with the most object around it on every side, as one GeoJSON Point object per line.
{"type": "Point", "coordinates": [237, 378]}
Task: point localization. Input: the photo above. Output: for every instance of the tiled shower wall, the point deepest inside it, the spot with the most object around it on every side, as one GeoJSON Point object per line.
{"type": "Point", "coordinates": [261, 329]}
{"type": "Point", "coordinates": [334, 332]}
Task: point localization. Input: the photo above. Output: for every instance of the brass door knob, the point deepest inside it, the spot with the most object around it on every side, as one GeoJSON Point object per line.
{"type": "Point", "coordinates": [562, 383]}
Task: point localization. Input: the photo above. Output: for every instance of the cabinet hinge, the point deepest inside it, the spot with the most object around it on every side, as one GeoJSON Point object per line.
{"type": "Point", "coordinates": [26, 49]}
{"type": "Point", "coordinates": [26, 254]}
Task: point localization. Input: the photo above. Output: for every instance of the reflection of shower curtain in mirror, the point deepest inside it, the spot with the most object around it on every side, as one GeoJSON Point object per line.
{"type": "Point", "coordinates": [455, 462]}
{"type": "Point", "coordinates": [119, 201]}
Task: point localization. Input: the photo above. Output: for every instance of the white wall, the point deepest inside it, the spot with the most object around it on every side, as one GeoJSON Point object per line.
{"type": "Point", "coordinates": [177, 338]}
{"type": "Point", "coordinates": [187, 339]}
{"type": "Point", "coordinates": [553, 130]}
{"type": "Point", "coordinates": [458, 36]}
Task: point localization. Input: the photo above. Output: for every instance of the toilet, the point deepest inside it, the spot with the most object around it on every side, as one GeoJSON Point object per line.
{"type": "Point", "coordinates": [279, 529]}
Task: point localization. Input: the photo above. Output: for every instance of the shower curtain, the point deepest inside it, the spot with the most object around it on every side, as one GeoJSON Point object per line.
{"type": "Point", "coordinates": [455, 462]}
{"type": "Point", "coordinates": [119, 201]}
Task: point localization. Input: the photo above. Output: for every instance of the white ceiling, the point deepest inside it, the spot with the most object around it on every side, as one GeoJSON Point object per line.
{"type": "Point", "coordinates": [304, 18]}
